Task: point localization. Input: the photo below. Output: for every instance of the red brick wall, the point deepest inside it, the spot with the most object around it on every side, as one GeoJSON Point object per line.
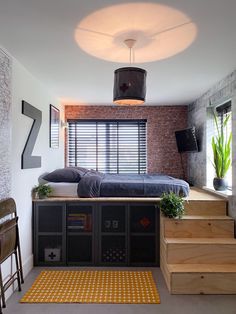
{"type": "Point", "coordinates": [162, 121]}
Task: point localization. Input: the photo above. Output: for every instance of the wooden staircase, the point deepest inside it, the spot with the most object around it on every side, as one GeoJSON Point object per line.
{"type": "Point", "coordinates": [198, 252]}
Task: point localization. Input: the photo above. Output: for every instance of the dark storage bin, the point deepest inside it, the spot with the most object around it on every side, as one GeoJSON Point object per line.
{"type": "Point", "coordinates": [49, 248]}
{"type": "Point", "coordinates": [49, 218]}
{"type": "Point", "coordinates": [113, 249]}
{"type": "Point", "coordinates": [142, 250]}
{"type": "Point", "coordinates": [142, 218]}
{"type": "Point", "coordinates": [113, 218]}
{"type": "Point", "coordinates": [79, 249]}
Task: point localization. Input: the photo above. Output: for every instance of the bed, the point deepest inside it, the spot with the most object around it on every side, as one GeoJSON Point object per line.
{"type": "Point", "coordinates": [82, 182]}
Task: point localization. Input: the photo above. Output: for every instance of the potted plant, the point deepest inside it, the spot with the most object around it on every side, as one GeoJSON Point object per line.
{"type": "Point", "coordinates": [221, 147]}
{"type": "Point", "coordinates": [172, 205]}
{"type": "Point", "coordinates": [42, 190]}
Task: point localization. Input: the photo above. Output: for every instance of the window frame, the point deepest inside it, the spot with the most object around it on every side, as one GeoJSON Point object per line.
{"type": "Point", "coordinates": [222, 110]}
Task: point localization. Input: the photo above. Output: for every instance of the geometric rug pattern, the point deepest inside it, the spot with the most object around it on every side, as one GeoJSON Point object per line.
{"type": "Point", "coordinates": [93, 286]}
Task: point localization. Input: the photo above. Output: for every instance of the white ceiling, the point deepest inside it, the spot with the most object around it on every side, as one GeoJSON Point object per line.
{"type": "Point", "coordinates": [40, 34]}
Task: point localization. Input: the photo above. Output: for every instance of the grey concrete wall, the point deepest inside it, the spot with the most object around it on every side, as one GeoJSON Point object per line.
{"type": "Point", "coordinates": [197, 116]}
{"type": "Point", "coordinates": [5, 102]}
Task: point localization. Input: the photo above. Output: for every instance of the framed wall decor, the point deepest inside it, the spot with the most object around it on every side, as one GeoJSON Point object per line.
{"type": "Point", "coordinates": [54, 127]}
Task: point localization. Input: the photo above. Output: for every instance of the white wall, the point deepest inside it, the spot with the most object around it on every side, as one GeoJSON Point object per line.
{"type": "Point", "coordinates": [26, 87]}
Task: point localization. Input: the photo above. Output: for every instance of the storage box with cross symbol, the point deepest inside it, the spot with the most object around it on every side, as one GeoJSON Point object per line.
{"type": "Point", "coordinates": [52, 255]}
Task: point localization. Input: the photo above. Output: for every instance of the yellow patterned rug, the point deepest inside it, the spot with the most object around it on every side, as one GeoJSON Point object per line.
{"type": "Point", "coordinates": [93, 286]}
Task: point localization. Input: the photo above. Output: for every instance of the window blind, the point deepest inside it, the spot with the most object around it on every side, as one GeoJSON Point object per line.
{"type": "Point", "coordinates": [110, 146]}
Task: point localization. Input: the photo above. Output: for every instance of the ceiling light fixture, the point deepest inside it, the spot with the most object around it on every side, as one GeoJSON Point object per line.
{"type": "Point", "coordinates": [102, 33]}
{"type": "Point", "coordinates": [129, 82]}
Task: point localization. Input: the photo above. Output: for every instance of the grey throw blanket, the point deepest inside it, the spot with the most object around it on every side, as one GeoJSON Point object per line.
{"type": "Point", "coordinates": [89, 185]}
{"type": "Point", "coordinates": [142, 185]}
{"type": "Point", "coordinates": [95, 184]}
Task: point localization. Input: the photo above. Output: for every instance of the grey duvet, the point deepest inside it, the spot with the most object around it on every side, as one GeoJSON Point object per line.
{"type": "Point", "coordinates": [130, 185]}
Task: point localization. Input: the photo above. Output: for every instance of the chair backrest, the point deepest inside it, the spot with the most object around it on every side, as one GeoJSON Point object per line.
{"type": "Point", "coordinates": [8, 238]}
{"type": "Point", "coordinates": [7, 207]}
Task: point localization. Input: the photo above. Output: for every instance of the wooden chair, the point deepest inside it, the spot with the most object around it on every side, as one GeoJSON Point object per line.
{"type": "Point", "coordinates": [9, 245]}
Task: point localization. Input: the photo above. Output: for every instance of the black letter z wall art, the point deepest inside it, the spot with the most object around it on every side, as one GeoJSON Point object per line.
{"type": "Point", "coordinates": [27, 160]}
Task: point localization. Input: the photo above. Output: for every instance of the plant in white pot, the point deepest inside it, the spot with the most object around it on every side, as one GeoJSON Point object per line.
{"type": "Point", "coordinates": [221, 147]}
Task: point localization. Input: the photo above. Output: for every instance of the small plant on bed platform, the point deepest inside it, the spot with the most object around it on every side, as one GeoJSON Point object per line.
{"type": "Point", "coordinates": [172, 205]}
{"type": "Point", "coordinates": [42, 190]}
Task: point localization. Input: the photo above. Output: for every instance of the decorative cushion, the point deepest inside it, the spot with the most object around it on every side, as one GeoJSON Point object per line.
{"type": "Point", "coordinates": [93, 172]}
{"type": "Point", "coordinates": [70, 174]}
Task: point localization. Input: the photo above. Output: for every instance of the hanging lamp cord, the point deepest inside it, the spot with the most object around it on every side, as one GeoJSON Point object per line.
{"type": "Point", "coordinates": [131, 55]}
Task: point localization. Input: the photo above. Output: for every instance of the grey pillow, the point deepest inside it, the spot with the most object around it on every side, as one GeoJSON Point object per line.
{"type": "Point", "coordinates": [88, 172]}
{"type": "Point", "coordinates": [69, 174]}
{"type": "Point", "coordinates": [93, 172]}
{"type": "Point", "coordinates": [82, 171]}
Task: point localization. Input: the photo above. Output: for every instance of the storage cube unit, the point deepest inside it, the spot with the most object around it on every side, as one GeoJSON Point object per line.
{"type": "Point", "coordinates": [49, 233]}
{"type": "Point", "coordinates": [80, 234]}
{"type": "Point", "coordinates": [95, 233]}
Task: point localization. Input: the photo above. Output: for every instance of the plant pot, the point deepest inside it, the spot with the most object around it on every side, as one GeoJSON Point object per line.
{"type": "Point", "coordinates": [42, 196]}
{"type": "Point", "coordinates": [220, 184]}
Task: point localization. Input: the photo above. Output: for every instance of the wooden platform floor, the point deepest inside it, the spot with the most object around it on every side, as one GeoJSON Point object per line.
{"type": "Point", "coordinates": [195, 194]}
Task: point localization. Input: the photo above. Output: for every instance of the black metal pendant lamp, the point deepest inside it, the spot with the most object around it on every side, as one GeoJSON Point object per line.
{"type": "Point", "coordinates": [129, 83]}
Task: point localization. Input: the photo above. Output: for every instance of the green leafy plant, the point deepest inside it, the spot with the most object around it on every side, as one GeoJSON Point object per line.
{"type": "Point", "coordinates": [42, 190]}
{"type": "Point", "coordinates": [172, 205]}
{"type": "Point", "coordinates": [221, 146]}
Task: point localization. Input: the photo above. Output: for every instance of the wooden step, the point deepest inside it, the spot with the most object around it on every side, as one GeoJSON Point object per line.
{"type": "Point", "coordinates": [201, 279]}
{"type": "Point", "coordinates": [200, 250]}
{"type": "Point", "coordinates": [199, 227]}
{"type": "Point", "coordinates": [206, 207]}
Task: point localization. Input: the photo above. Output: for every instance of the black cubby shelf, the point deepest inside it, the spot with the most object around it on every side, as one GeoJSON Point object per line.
{"type": "Point", "coordinates": [80, 234]}
{"type": "Point", "coordinates": [95, 233]}
{"type": "Point", "coordinates": [49, 230]}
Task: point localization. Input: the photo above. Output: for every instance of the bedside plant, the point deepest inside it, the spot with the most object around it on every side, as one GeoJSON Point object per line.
{"type": "Point", "coordinates": [42, 190]}
{"type": "Point", "coordinates": [172, 205]}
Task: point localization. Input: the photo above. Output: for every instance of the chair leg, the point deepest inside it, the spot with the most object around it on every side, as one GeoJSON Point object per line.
{"type": "Point", "coordinates": [19, 254]}
{"type": "Point", "coordinates": [18, 271]}
{"type": "Point", "coordinates": [2, 289]}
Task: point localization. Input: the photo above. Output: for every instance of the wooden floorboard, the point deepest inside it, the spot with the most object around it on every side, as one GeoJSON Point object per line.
{"type": "Point", "coordinates": [202, 195]}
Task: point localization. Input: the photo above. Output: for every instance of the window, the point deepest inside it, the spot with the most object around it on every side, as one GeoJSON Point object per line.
{"type": "Point", "coordinates": [222, 111]}
{"type": "Point", "coordinates": [110, 146]}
